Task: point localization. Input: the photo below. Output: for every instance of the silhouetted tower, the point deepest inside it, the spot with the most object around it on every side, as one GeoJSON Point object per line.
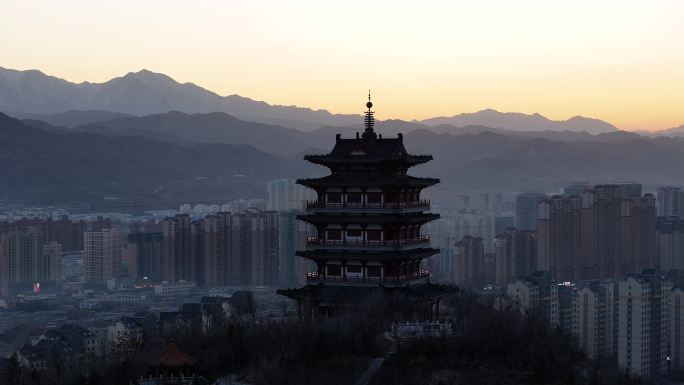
{"type": "Point", "coordinates": [368, 249]}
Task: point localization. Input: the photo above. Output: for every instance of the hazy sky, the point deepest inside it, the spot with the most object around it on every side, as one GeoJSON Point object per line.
{"type": "Point", "coordinates": [621, 61]}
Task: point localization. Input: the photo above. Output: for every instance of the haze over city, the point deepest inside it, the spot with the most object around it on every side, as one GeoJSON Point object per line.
{"type": "Point", "coordinates": [618, 61]}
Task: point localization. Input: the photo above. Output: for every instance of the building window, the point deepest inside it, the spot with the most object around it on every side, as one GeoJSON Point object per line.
{"type": "Point", "coordinates": [374, 235]}
{"type": "Point", "coordinates": [354, 233]}
{"type": "Point", "coordinates": [374, 197]}
{"type": "Point", "coordinates": [334, 270]}
{"type": "Point", "coordinates": [334, 197]}
{"type": "Point", "coordinates": [354, 197]}
{"type": "Point", "coordinates": [373, 271]}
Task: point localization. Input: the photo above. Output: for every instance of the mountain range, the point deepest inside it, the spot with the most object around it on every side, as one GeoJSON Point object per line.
{"type": "Point", "coordinates": [144, 93]}
{"type": "Point", "coordinates": [57, 167]}
{"type": "Point", "coordinates": [155, 161]}
{"type": "Point", "coordinates": [31, 93]}
{"type": "Point", "coordinates": [114, 146]}
{"type": "Point", "coordinates": [218, 127]}
{"type": "Point", "coordinates": [522, 122]}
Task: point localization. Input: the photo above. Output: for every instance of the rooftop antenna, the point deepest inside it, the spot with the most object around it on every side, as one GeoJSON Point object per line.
{"type": "Point", "coordinates": [369, 121]}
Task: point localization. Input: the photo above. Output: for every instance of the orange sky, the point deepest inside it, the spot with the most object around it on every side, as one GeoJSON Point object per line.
{"type": "Point", "coordinates": [620, 61]}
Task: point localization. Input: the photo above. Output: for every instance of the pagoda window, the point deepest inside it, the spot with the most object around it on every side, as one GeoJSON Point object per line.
{"type": "Point", "coordinates": [354, 234]}
{"type": "Point", "coordinates": [354, 269]}
{"type": "Point", "coordinates": [334, 270]}
{"type": "Point", "coordinates": [334, 197]}
{"type": "Point", "coordinates": [334, 235]}
{"type": "Point", "coordinates": [391, 197]}
{"type": "Point", "coordinates": [374, 197]}
{"type": "Point", "coordinates": [374, 235]}
{"type": "Point", "coordinates": [373, 271]}
{"type": "Point", "coordinates": [353, 197]}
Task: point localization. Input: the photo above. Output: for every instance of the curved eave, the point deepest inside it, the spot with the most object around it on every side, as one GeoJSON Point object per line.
{"type": "Point", "coordinates": [338, 295]}
{"type": "Point", "coordinates": [326, 160]}
{"type": "Point", "coordinates": [408, 218]}
{"type": "Point", "coordinates": [417, 253]}
{"type": "Point", "coordinates": [331, 181]}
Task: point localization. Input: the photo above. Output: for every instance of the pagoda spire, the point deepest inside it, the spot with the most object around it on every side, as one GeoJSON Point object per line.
{"type": "Point", "coordinates": [369, 121]}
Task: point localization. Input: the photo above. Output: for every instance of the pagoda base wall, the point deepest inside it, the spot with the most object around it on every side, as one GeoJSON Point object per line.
{"type": "Point", "coordinates": [417, 302]}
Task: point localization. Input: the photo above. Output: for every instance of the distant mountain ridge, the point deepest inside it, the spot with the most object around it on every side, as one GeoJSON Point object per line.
{"type": "Point", "coordinates": [522, 122]}
{"type": "Point", "coordinates": [129, 172]}
{"type": "Point", "coordinates": [146, 92]}
{"type": "Point", "coordinates": [72, 118]}
{"type": "Point", "coordinates": [160, 160]}
{"type": "Point", "coordinates": [214, 127]}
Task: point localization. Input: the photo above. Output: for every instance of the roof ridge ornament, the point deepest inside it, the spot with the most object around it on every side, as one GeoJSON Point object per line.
{"type": "Point", "coordinates": [369, 121]}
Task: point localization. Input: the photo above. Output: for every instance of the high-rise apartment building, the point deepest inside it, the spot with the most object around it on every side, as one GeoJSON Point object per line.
{"type": "Point", "coordinates": [223, 249]}
{"type": "Point", "coordinates": [677, 329]}
{"type": "Point", "coordinates": [669, 201]}
{"type": "Point", "coordinates": [178, 258]}
{"type": "Point", "coordinates": [442, 237]}
{"type": "Point", "coordinates": [52, 263]}
{"type": "Point", "coordinates": [471, 223]}
{"type": "Point", "coordinates": [292, 235]}
{"type": "Point", "coordinates": [468, 264]}
{"type": "Point", "coordinates": [526, 210]}
{"type": "Point", "coordinates": [286, 194]}
{"type": "Point", "coordinates": [559, 236]}
{"type": "Point", "coordinates": [594, 318]}
{"type": "Point", "coordinates": [146, 256]}
{"type": "Point", "coordinates": [643, 311]}
{"type": "Point", "coordinates": [598, 235]}
{"type": "Point", "coordinates": [670, 243]}
{"type": "Point", "coordinates": [67, 233]}
{"type": "Point", "coordinates": [536, 294]}
{"type": "Point", "coordinates": [638, 231]}
{"type": "Point", "coordinates": [259, 247]}
{"type": "Point", "coordinates": [515, 254]}
{"type": "Point", "coordinates": [102, 255]}
{"type": "Point", "coordinates": [220, 268]}
{"type": "Point", "coordinates": [25, 259]}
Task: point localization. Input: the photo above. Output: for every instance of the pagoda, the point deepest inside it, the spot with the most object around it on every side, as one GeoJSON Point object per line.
{"type": "Point", "coordinates": [368, 246]}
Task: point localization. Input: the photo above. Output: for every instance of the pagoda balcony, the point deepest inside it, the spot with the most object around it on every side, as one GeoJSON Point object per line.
{"type": "Point", "coordinates": [317, 206]}
{"type": "Point", "coordinates": [317, 243]}
{"type": "Point", "coordinates": [398, 280]}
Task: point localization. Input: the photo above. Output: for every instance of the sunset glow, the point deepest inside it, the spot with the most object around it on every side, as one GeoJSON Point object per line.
{"type": "Point", "coordinates": [619, 61]}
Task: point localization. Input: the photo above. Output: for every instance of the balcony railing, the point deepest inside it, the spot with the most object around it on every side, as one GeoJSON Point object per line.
{"type": "Point", "coordinates": [315, 277]}
{"type": "Point", "coordinates": [312, 241]}
{"type": "Point", "coordinates": [422, 204]}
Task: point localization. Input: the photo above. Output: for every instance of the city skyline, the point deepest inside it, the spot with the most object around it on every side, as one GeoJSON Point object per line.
{"type": "Point", "coordinates": [612, 61]}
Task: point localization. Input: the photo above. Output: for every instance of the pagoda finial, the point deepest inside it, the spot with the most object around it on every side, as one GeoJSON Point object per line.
{"type": "Point", "coordinates": [369, 121]}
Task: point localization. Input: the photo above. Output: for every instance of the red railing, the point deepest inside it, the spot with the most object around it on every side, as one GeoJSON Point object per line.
{"type": "Point", "coordinates": [360, 279]}
{"type": "Point", "coordinates": [312, 241]}
{"type": "Point", "coordinates": [424, 204]}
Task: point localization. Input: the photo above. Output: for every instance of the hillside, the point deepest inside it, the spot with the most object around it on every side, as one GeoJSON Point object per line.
{"type": "Point", "coordinates": [128, 172]}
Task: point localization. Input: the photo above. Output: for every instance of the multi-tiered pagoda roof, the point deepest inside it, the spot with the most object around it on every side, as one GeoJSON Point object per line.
{"type": "Point", "coordinates": [367, 219]}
